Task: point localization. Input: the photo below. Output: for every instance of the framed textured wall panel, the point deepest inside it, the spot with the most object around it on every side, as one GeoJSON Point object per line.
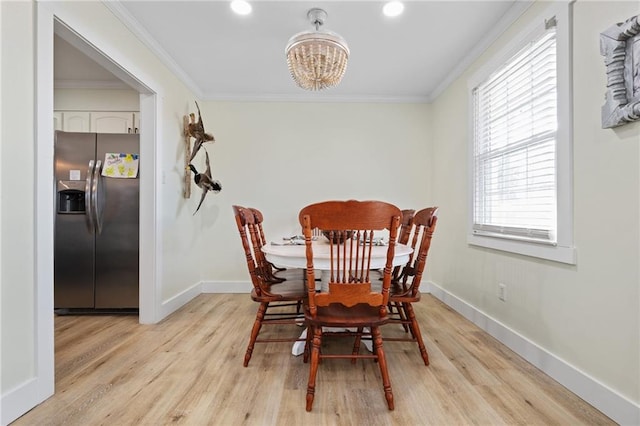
{"type": "Point", "coordinates": [620, 45]}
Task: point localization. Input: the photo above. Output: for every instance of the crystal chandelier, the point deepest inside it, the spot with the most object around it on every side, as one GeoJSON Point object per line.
{"type": "Point", "coordinates": [317, 59]}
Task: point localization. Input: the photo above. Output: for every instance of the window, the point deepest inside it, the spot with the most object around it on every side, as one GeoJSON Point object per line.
{"type": "Point", "coordinates": [521, 145]}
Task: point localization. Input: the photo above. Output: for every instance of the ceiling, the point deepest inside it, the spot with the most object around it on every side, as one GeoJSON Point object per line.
{"type": "Point", "coordinates": [223, 56]}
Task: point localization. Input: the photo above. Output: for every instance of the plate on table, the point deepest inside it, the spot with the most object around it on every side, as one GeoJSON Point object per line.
{"type": "Point", "coordinates": [296, 240]}
{"type": "Point", "coordinates": [376, 242]}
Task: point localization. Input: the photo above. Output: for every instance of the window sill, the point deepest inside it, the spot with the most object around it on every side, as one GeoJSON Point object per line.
{"type": "Point", "coordinates": [557, 253]}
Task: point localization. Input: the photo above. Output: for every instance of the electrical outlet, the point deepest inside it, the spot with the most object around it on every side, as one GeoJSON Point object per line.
{"type": "Point", "coordinates": [502, 292]}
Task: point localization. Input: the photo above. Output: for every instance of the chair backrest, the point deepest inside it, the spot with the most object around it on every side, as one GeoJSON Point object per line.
{"type": "Point", "coordinates": [404, 233]}
{"type": "Point", "coordinates": [352, 224]}
{"type": "Point", "coordinates": [258, 239]}
{"type": "Point", "coordinates": [423, 226]}
{"type": "Point", "coordinates": [405, 226]}
{"type": "Point", "coordinates": [246, 221]}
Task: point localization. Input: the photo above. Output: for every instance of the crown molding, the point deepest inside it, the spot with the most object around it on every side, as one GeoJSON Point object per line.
{"type": "Point", "coordinates": [316, 97]}
{"type": "Point", "coordinates": [514, 12]}
{"type": "Point", "coordinates": [138, 30]}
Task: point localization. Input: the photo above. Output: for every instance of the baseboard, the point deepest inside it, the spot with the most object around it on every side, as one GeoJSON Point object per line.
{"type": "Point", "coordinates": [176, 302]}
{"type": "Point", "coordinates": [613, 405]}
{"type": "Point", "coordinates": [226, 287]}
{"type": "Point", "coordinates": [19, 400]}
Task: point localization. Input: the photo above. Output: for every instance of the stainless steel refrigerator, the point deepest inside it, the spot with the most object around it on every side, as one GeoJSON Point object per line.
{"type": "Point", "coordinates": [96, 262]}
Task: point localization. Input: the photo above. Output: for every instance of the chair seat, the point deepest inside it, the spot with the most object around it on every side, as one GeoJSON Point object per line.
{"type": "Point", "coordinates": [289, 290]}
{"type": "Point", "coordinates": [336, 315]}
{"type": "Point", "coordinates": [291, 274]}
{"type": "Point", "coordinates": [395, 292]}
{"type": "Point", "coordinates": [398, 297]}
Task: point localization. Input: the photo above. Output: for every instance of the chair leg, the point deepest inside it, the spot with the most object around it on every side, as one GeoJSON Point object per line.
{"type": "Point", "coordinates": [315, 358]}
{"type": "Point", "coordinates": [307, 344]}
{"type": "Point", "coordinates": [356, 344]}
{"type": "Point", "coordinates": [382, 361]}
{"type": "Point", "coordinates": [257, 324]}
{"type": "Point", "coordinates": [415, 330]}
{"type": "Point", "coordinates": [403, 316]}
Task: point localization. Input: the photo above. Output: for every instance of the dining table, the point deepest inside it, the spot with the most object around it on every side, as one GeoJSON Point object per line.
{"type": "Point", "coordinates": [291, 253]}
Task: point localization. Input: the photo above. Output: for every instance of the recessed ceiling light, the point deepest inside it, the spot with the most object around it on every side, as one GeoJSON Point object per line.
{"type": "Point", "coordinates": [241, 7]}
{"type": "Point", "coordinates": [393, 8]}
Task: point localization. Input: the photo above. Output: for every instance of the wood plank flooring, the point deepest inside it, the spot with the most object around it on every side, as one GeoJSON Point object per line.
{"type": "Point", "coordinates": [187, 370]}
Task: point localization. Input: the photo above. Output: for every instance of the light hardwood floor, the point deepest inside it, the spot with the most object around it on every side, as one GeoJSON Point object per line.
{"type": "Point", "coordinates": [187, 370]}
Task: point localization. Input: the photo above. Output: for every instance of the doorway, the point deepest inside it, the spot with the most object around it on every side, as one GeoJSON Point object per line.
{"type": "Point", "coordinates": [96, 271]}
{"type": "Point", "coordinates": [47, 25]}
{"type": "Point", "coordinates": [148, 111]}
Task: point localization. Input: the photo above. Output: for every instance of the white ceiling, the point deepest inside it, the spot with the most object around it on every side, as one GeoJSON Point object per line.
{"type": "Point", "coordinates": [71, 68]}
{"type": "Point", "coordinates": [223, 56]}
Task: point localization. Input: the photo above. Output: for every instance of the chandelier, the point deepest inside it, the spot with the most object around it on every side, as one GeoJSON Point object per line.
{"type": "Point", "coordinates": [317, 59]}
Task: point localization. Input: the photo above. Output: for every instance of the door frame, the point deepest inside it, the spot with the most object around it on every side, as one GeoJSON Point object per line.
{"type": "Point", "coordinates": [75, 31]}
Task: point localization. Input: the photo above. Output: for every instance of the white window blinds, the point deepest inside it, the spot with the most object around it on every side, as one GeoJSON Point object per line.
{"type": "Point", "coordinates": [515, 131]}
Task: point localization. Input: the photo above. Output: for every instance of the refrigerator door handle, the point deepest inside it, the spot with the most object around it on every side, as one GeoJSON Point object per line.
{"type": "Point", "coordinates": [88, 198]}
{"type": "Point", "coordinates": [97, 193]}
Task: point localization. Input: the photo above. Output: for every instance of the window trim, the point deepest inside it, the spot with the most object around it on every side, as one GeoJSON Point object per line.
{"type": "Point", "coordinates": [563, 251]}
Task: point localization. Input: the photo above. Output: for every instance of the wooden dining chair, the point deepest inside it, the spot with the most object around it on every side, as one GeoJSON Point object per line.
{"type": "Point", "coordinates": [404, 232]}
{"type": "Point", "coordinates": [266, 268]}
{"type": "Point", "coordinates": [405, 287]}
{"type": "Point", "coordinates": [280, 301]}
{"type": "Point", "coordinates": [349, 301]}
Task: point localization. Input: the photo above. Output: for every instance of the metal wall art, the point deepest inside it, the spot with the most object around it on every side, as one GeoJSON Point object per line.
{"type": "Point", "coordinates": [620, 45]}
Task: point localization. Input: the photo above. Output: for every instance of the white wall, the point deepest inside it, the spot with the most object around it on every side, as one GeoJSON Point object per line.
{"type": "Point", "coordinates": [96, 100]}
{"type": "Point", "coordinates": [17, 277]}
{"type": "Point", "coordinates": [586, 315]}
{"type": "Point", "coordinates": [279, 157]}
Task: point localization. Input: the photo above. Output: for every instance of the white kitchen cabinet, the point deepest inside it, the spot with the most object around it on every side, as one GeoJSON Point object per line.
{"type": "Point", "coordinates": [97, 121]}
{"type": "Point", "coordinates": [75, 121]}
{"type": "Point", "coordinates": [136, 122]}
{"type": "Point", "coordinates": [112, 122]}
{"type": "Point", "coordinates": [57, 121]}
